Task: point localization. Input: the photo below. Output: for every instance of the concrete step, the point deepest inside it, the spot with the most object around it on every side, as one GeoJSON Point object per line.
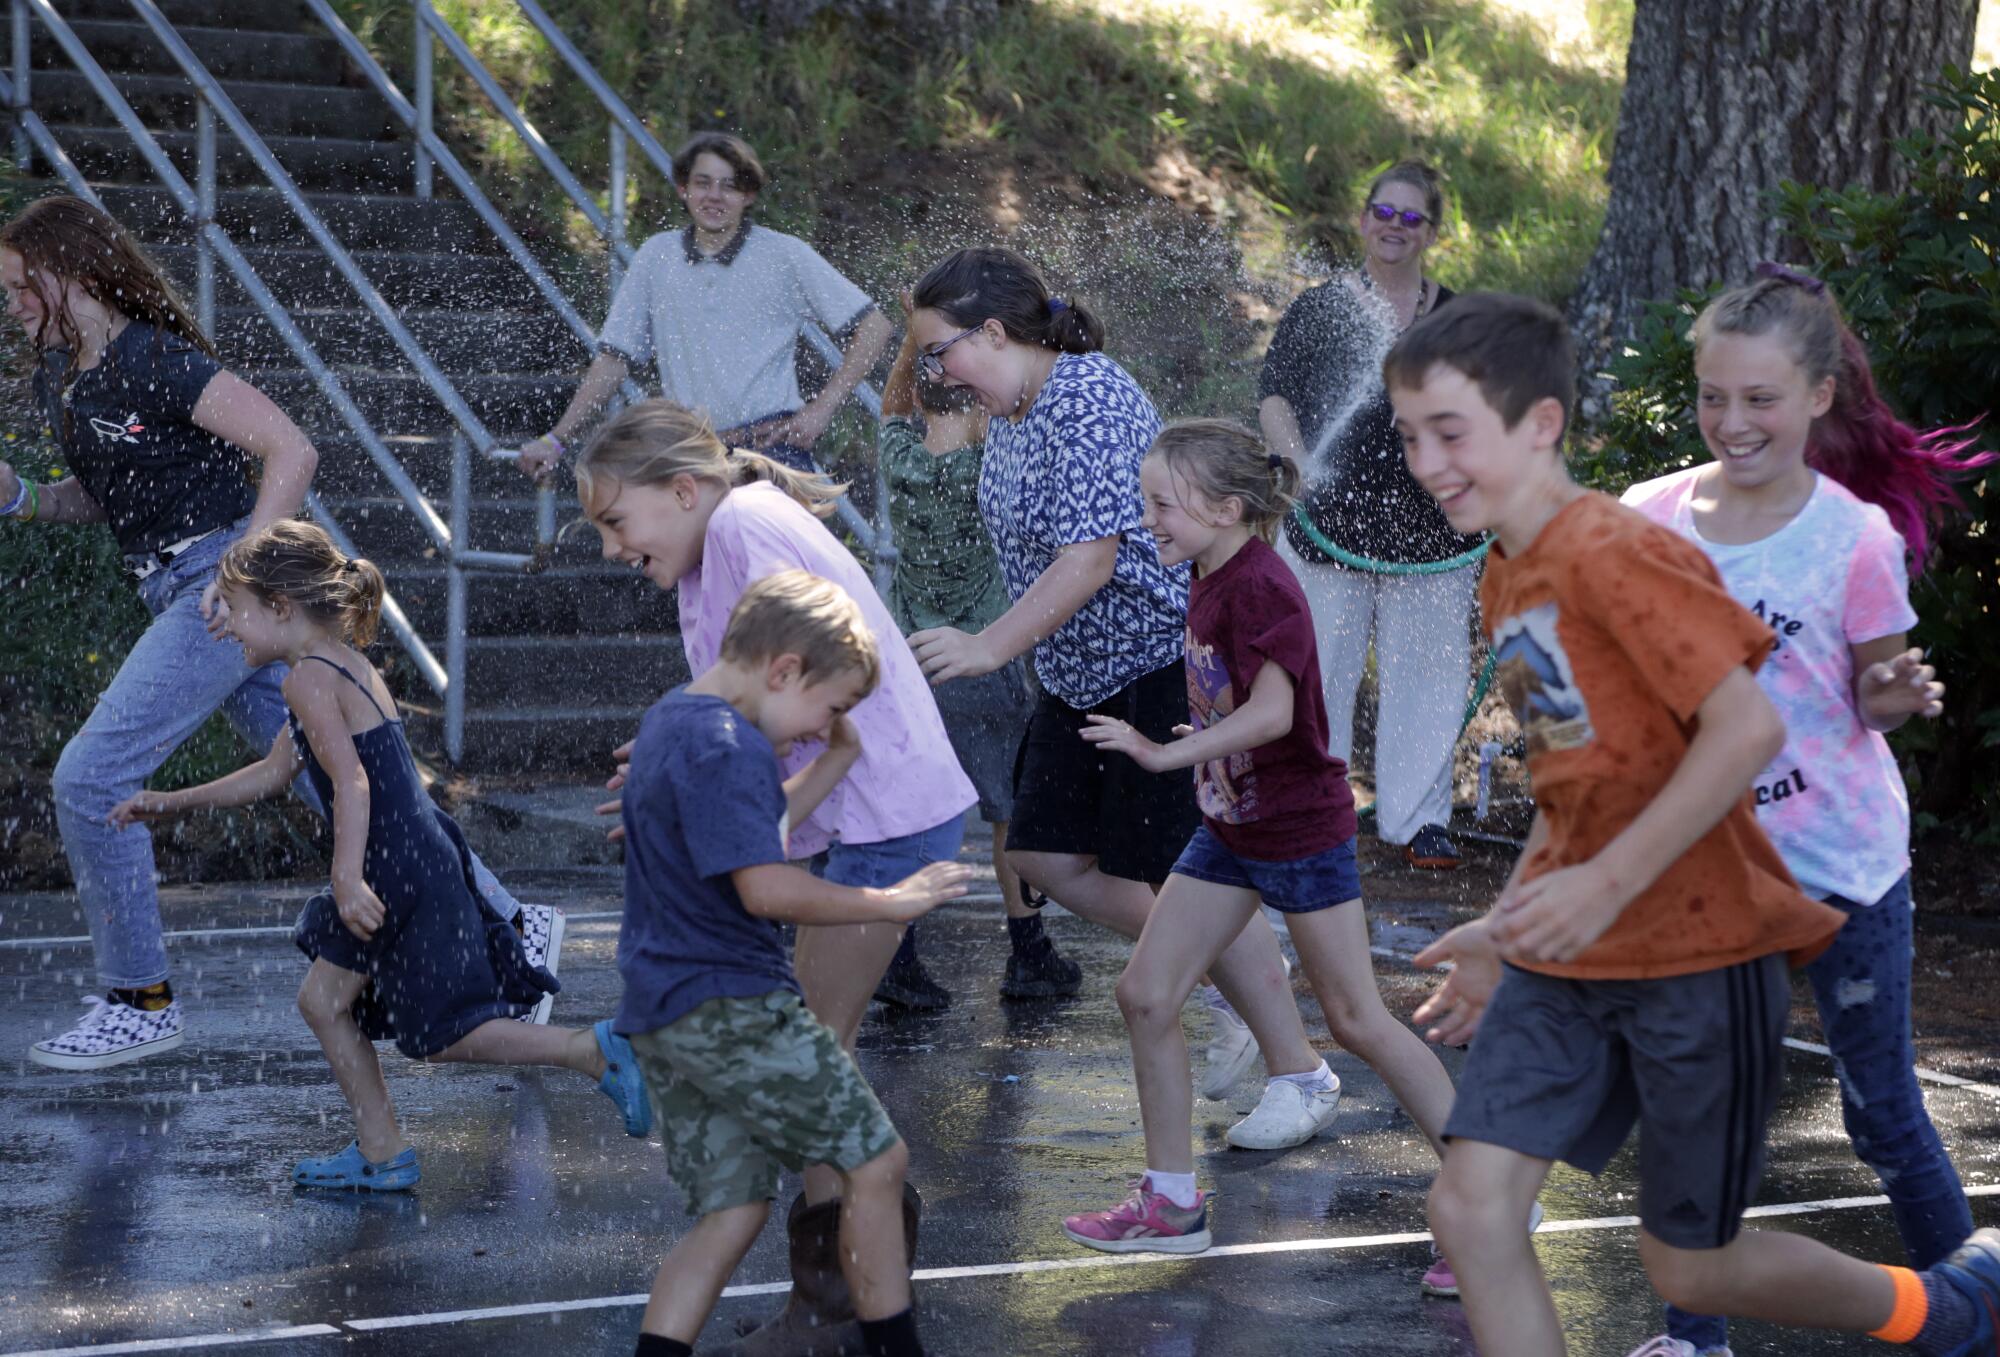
{"type": "Point", "coordinates": [387, 530]}
{"type": "Point", "coordinates": [584, 671]}
{"type": "Point", "coordinates": [127, 46]}
{"type": "Point", "coordinates": [572, 600]}
{"type": "Point", "coordinates": [276, 16]}
{"type": "Point", "coordinates": [554, 739]}
{"type": "Point", "coordinates": [492, 341]}
{"type": "Point", "coordinates": [345, 469]}
{"type": "Point", "coordinates": [169, 102]}
{"type": "Point", "coordinates": [259, 216]}
{"type": "Point", "coordinates": [403, 401]}
{"type": "Point", "coordinates": [344, 163]}
{"type": "Point", "coordinates": [407, 279]}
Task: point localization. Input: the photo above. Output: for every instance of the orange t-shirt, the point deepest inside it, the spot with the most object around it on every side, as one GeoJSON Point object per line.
{"type": "Point", "coordinates": [1609, 633]}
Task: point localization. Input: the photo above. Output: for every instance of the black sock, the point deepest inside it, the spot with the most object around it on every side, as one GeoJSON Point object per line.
{"type": "Point", "coordinates": [147, 998]}
{"type": "Point", "coordinates": [895, 1336]}
{"type": "Point", "coordinates": [1949, 1319]}
{"type": "Point", "coordinates": [658, 1345]}
{"type": "Point", "coordinates": [1025, 933]}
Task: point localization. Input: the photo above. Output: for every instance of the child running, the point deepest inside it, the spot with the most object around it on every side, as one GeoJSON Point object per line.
{"type": "Point", "coordinates": [1278, 826]}
{"type": "Point", "coordinates": [947, 575]}
{"type": "Point", "coordinates": [1816, 495]}
{"type": "Point", "coordinates": [1633, 969]}
{"type": "Point", "coordinates": [745, 1078]}
{"type": "Point", "coordinates": [401, 946]}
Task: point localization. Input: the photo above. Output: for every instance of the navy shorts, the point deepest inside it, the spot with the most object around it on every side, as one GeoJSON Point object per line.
{"type": "Point", "coordinates": [1301, 886]}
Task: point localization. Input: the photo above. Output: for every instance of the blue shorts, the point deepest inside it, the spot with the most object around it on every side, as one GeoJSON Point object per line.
{"type": "Point", "coordinates": [891, 860]}
{"type": "Point", "coordinates": [1301, 886]}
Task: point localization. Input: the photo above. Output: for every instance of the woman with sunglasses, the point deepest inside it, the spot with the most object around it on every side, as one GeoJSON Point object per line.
{"type": "Point", "coordinates": [1059, 491]}
{"type": "Point", "coordinates": [1372, 550]}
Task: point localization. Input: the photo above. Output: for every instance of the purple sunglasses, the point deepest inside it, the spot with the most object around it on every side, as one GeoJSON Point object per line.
{"type": "Point", "coordinates": [1411, 217]}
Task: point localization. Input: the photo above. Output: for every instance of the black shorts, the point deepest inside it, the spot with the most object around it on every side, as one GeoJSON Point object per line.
{"type": "Point", "coordinates": [1562, 1069]}
{"type": "Point", "coordinates": [1070, 797]}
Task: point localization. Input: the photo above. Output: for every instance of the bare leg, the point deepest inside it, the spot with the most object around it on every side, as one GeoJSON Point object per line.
{"type": "Point", "coordinates": [326, 1002]}
{"type": "Point", "coordinates": [1009, 879]}
{"type": "Point", "coordinates": [1781, 1278]}
{"type": "Point", "coordinates": [838, 968]}
{"type": "Point", "coordinates": [1192, 924]}
{"type": "Point", "coordinates": [1479, 1209]}
{"type": "Point", "coordinates": [1108, 901]}
{"type": "Point", "coordinates": [873, 1254]}
{"type": "Point", "coordinates": [506, 1042]}
{"type": "Point", "coordinates": [1333, 947]}
{"type": "Point", "coordinates": [691, 1279]}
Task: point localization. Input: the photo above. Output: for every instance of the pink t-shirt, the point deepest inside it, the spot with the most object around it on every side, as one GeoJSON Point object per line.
{"type": "Point", "coordinates": [907, 779]}
{"type": "Point", "coordinates": [1833, 800]}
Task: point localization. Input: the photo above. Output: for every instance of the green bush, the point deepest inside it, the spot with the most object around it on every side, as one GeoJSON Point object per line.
{"type": "Point", "coordinates": [1918, 276]}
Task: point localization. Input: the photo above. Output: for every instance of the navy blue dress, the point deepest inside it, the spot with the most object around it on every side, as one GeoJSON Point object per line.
{"type": "Point", "coordinates": [443, 961]}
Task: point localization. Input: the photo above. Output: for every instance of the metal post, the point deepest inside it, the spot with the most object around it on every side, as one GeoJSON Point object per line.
{"type": "Point", "coordinates": [23, 151]}
{"type": "Point", "coordinates": [617, 204]}
{"type": "Point", "coordinates": [454, 606]}
{"type": "Point", "coordinates": [424, 96]}
{"type": "Point", "coordinates": [204, 182]}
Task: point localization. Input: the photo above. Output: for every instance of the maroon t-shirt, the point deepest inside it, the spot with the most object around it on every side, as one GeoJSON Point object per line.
{"type": "Point", "coordinates": [1288, 799]}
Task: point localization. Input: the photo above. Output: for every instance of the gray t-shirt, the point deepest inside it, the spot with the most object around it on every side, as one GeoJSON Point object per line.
{"type": "Point", "coordinates": [703, 799]}
{"type": "Point", "coordinates": [723, 329]}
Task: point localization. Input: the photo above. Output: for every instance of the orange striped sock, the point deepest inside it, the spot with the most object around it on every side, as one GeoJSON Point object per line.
{"type": "Point", "coordinates": [1913, 1307]}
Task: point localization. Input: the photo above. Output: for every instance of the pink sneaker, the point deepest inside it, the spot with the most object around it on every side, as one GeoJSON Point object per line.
{"type": "Point", "coordinates": [1146, 1222]}
{"type": "Point", "coordinates": [1440, 1280]}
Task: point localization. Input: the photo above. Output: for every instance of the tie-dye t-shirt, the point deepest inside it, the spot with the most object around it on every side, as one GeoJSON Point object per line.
{"type": "Point", "coordinates": [1833, 801]}
{"type": "Point", "coordinates": [1609, 632]}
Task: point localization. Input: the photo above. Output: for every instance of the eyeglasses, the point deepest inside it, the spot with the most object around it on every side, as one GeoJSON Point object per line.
{"type": "Point", "coordinates": [932, 360]}
{"type": "Point", "coordinates": [1410, 216]}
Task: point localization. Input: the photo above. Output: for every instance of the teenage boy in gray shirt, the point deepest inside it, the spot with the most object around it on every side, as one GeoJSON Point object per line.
{"type": "Point", "coordinates": [718, 306]}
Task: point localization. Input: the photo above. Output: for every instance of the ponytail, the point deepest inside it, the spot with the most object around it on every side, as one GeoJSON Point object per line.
{"type": "Point", "coordinates": [656, 440]}
{"type": "Point", "coordinates": [974, 286]}
{"type": "Point", "coordinates": [298, 562]}
{"type": "Point", "coordinates": [1859, 442]}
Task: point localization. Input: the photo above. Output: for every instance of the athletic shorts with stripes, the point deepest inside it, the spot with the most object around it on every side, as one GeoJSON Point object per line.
{"type": "Point", "coordinates": [1563, 1069]}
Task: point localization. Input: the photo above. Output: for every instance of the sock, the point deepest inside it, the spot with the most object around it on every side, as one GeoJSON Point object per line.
{"type": "Point", "coordinates": [147, 998]}
{"type": "Point", "coordinates": [1025, 933]}
{"type": "Point", "coordinates": [1177, 1188]}
{"type": "Point", "coordinates": [1931, 1315]}
{"type": "Point", "coordinates": [1312, 1081]}
{"type": "Point", "coordinates": [895, 1336]}
{"type": "Point", "coordinates": [659, 1345]}
{"type": "Point", "coordinates": [1212, 998]}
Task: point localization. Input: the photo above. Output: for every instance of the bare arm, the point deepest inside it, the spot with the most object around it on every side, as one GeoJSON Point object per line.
{"type": "Point", "coordinates": [899, 392]}
{"type": "Point", "coordinates": [267, 777]}
{"type": "Point", "coordinates": [803, 429]}
{"type": "Point", "coordinates": [1892, 683]}
{"type": "Point", "coordinates": [311, 694]}
{"type": "Point", "coordinates": [63, 501]}
{"type": "Point", "coordinates": [1281, 429]}
{"type": "Point", "coordinates": [594, 390]}
{"type": "Point", "coordinates": [1265, 715]}
{"type": "Point", "coordinates": [780, 891]}
{"type": "Point", "coordinates": [238, 413]}
{"type": "Point", "coordinates": [1077, 572]}
{"type": "Point", "coordinates": [812, 784]}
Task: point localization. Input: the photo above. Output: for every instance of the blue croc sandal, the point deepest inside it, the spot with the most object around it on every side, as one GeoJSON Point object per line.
{"type": "Point", "coordinates": [349, 1171]}
{"type": "Point", "coordinates": [621, 1082]}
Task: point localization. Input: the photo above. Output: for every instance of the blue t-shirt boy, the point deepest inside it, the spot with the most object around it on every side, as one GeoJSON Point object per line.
{"type": "Point", "coordinates": [702, 799]}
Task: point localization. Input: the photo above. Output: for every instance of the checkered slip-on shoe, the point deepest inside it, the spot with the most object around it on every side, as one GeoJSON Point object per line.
{"type": "Point", "coordinates": [541, 938]}
{"type": "Point", "coordinates": [111, 1034]}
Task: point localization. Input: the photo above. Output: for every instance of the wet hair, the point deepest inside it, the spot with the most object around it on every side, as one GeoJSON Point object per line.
{"type": "Point", "coordinates": [297, 561]}
{"type": "Point", "coordinates": [1221, 459]}
{"type": "Point", "coordinates": [743, 163]}
{"type": "Point", "coordinates": [656, 440]}
{"type": "Point", "coordinates": [797, 613]}
{"type": "Point", "coordinates": [939, 398]}
{"type": "Point", "coordinates": [1418, 176]}
{"type": "Point", "coordinates": [993, 283]}
{"type": "Point", "coordinates": [1858, 442]}
{"type": "Point", "coordinates": [1516, 350]}
{"type": "Point", "coordinates": [63, 239]}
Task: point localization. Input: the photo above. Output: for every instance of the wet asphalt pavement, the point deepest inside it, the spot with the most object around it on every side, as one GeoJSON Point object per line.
{"type": "Point", "coordinates": [149, 1207]}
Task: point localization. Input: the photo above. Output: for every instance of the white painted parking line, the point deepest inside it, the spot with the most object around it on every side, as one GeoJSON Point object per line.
{"type": "Point", "coordinates": [1932, 1076]}
{"type": "Point", "coordinates": [1082, 1262]}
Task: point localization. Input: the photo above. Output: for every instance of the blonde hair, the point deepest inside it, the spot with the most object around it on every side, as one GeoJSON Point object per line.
{"type": "Point", "coordinates": [654, 441]}
{"type": "Point", "coordinates": [796, 613]}
{"type": "Point", "coordinates": [297, 561]}
{"type": "Point", "coordinates": [1221, 459]}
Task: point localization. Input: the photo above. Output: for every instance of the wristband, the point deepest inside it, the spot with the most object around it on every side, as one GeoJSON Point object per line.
{"type": "Point", "coordinates": [34, 501]}
{"type": "Point", "coordinates": [561, 451]}
{"type": "Point", "coordinates": [13, 506]}
{"type": "Point", "coordinates": [30, 494]}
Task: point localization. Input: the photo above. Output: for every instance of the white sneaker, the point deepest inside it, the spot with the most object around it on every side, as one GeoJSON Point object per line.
{"type": "Point", "coordinates": [111, 1034]}
{"type": "Point", "coordinates": [542, 939]}
{"type": "Point", "coordinates": [1231, 1053]}
{"type": "Point", "coordinates": [1286, 1115]}
{"type": "Point", "coordinates": [1663, 1346]}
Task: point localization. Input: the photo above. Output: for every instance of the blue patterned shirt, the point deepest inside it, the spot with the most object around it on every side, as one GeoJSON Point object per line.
{"type": "Point", "coordinates": [1069, 473]}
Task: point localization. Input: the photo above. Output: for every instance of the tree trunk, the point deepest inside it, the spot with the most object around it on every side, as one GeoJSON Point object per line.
{"type": "Point", "coordinates": [1724, 99]}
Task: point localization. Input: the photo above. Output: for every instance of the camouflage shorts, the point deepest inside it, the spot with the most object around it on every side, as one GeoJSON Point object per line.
{"type": "Point", "coordinates": [743, 1086]}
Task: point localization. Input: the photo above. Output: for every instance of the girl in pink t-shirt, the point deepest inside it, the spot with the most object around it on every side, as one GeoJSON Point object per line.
{"type": "Point", "coordinates": [671, 500]}
{"type": "Point", "coordinates": [1816, 496]}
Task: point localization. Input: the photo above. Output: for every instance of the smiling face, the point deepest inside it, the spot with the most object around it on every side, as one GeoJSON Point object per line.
{"type": "Point", "coordinates": [798, 706]}
{"type": "Point", "coordinates": [713, 200]}
{"type": "Point", "coordinates": [1184, 524]}
{"type": "Point", "coordinates": [1756, 407]}
{"type": "Point", "coordinates": [1484, 475]}
{"type": "Point", "coordinates": [988, 364]}
{"type": "Point", "coordinates": [655, 529]}
{"type": "Point", "coordinates": [265, 628]}
{"type": "Point", "coordinates": [25, 304]}
{"type": "Point", "coordinates": [1391, 242]}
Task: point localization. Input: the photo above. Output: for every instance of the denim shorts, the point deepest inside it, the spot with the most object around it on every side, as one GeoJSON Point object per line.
{"type": "Point", "coordinates": [889, 861]}
{"type": "Point", "coordinates": [1303, 886]}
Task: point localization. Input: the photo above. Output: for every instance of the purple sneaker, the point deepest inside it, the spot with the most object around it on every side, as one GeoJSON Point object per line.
{"type": "Point", "coordinates": [1146, 1222]}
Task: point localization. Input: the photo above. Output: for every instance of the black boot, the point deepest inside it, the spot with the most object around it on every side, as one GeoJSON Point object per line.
{"type": "Point", "coordinates": [818, 1319]}
{"type": "Point", "coordinates": [906, 984]}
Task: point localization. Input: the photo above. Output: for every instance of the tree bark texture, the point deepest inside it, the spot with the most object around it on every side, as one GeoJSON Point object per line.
{"type": "Point", "coordinates": [1726, 98]}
